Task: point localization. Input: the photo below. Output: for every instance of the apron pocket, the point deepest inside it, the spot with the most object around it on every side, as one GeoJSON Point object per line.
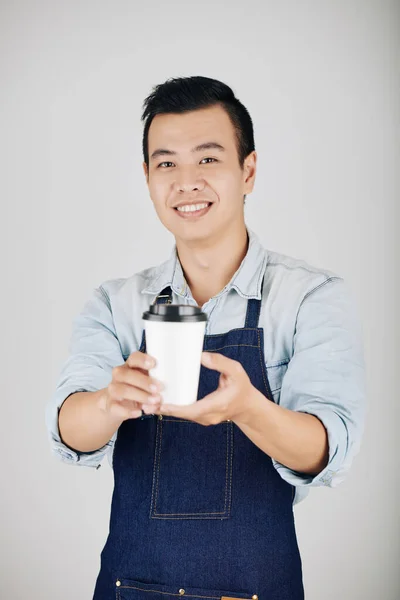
{"type": "Point", "coordinates": [192, 476]}
{"type": "Point", "coordinates": [130, 589]}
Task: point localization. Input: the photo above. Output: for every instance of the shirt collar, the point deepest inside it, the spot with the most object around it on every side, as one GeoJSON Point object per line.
{"type": "Point", "coordinates": [246, 281]}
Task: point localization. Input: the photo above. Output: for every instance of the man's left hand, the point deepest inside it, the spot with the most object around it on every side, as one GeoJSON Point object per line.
{"type": "Point", "coordinates": [231, 401]}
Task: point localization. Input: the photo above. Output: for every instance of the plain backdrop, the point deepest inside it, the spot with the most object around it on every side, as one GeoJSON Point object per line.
{"type": "Point", "coordinates": [321, 82]}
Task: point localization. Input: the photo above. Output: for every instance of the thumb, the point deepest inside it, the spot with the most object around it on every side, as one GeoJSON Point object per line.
{"type": "Point", "coordinates": [219, 362]}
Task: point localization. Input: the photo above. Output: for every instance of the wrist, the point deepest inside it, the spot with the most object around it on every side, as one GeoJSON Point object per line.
{"type": "Point", "coordinates": [102, 402]}
{"type": "Point", "coordinates": [255, 402]}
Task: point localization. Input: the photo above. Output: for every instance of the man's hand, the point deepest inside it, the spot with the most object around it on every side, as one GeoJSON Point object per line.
{"type": "Point", "coordinates": [295, 439]}
{"type": "Point", "coordinates": [230, 401]}
{"type": "Point", "coordinates": [132, 388]}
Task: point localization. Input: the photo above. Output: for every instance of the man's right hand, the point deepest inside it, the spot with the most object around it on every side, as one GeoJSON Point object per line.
{"type": "Point", "coordinates": [132, 390]}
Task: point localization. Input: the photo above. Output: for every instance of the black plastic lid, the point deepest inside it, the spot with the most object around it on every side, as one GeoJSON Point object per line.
{"type": "Point", "coordinates": [178, 313]}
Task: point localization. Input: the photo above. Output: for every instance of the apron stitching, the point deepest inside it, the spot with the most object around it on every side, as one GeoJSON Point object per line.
{"type": "Point", "coordinates": [154, 512]}
{"type": "Point", "coordinates": [154, 470]}
{"type": "Point", "coordinates": [160, 424]}
{"type": "Point", "coordinates": [221, 335]}
{"type": "Point", "coordinates": [188, 514]}
{"type": "Point", "coordinates": [227, 466]}
{"type": "Point", "coordinates": [233, 346]}
{"type": "Point", "coordinates": [157, 462]}
{"type": "Point", "coordinates": [230, 480]}
{"type": "Point", "coordinates": [196, 516]}
{"type": "Point", "coordinates": [132, 587]}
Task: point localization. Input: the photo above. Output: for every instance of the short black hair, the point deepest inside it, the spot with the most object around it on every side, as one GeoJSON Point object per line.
{"type": "Point", "coordinates": [183, 94]}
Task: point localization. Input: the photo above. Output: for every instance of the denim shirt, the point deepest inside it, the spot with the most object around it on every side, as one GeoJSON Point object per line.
{"type": "Point", "coordinates": [312, 342]}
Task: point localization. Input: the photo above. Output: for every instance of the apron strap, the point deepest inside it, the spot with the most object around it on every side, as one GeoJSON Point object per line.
{"type": "Point", "coordinates": [164, 297]}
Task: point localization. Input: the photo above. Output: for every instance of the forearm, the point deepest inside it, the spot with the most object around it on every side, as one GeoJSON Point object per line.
{"type": "Point", "coordinates": [84, 423]}
{"type": "Point", "coordinates": [295, 439]}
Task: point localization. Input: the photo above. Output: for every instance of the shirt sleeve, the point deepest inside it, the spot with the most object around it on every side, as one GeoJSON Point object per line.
{"type": "Point", "coordinates": [94, 351]}
{"type": "Point", "coordinates": [326, 377]}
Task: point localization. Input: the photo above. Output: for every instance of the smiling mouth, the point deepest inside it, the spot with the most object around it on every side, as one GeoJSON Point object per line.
{"type": "Point", "coordinates": [193, 211]}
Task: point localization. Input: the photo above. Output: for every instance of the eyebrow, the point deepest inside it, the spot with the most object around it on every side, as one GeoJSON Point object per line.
{"type": "Point", "coordinates": [199, 148]}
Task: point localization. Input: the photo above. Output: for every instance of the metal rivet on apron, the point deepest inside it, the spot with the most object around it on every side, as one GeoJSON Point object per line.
{"type": "Point", "coordinates": [118, 583]}
{"type": "Point", "coordinates": [181, 592]}
{"type": "Point", "coordinates": [255, 597]}
{"type": "Point", "coordinates": [160, 417]}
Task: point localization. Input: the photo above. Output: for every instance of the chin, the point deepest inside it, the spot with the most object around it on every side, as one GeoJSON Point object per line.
{"type": "Point", "coordinates": [192, 233]}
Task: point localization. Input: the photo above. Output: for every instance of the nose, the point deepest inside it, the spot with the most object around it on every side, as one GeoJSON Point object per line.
{"type": "Point", "coordinates": [189, 181]}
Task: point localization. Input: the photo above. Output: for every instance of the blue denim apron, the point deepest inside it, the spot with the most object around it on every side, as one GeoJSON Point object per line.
{"type": "Point", "coordinates": [200, 511]}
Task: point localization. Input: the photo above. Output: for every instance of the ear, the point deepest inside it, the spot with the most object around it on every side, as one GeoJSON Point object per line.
{"type": "Point", "coordinates": [146, 172]}
{"type": "Point", "coordinates": [249, 172]}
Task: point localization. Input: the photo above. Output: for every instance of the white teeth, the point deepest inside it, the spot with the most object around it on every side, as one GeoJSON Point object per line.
{"type": "Point", "coordinates": [192, 207]}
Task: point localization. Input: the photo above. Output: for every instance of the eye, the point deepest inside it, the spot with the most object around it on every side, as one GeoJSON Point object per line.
{"type": "Point", "coordinates": [209, 158]}
{"type": "Point", "coordinates": [167, 163]}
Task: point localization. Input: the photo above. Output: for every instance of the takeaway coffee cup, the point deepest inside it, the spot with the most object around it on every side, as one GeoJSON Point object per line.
{"type": "Point", "coordinates": [174, 337]}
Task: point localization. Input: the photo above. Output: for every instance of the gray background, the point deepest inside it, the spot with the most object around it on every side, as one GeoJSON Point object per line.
{"type": "Point", "coordinates": [321, 81]}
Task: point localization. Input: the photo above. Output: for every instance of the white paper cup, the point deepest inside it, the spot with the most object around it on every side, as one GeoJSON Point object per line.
{"type": "Point", "coordinates": [175, 337]}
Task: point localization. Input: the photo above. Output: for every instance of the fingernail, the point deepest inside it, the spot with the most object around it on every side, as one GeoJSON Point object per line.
{"type": "Point", "coordinates": [152, 387]}
{"type": "Point", "coordinates": [148, 363]}
{"type": "Point", "coordinates": [153, 399]}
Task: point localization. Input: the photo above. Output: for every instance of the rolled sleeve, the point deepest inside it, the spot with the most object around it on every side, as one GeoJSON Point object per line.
{"type": "Point", "coordinates": [326, 377]}
{"type": "Point", "coordinates": [94, 351]}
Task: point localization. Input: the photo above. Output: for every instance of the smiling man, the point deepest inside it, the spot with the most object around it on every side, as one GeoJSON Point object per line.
{"type": "Point", "coordinates": [203, 497]}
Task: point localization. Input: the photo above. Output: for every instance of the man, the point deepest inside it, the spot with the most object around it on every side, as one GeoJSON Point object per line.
{"type": "Point", "coordinates": [203, 497]}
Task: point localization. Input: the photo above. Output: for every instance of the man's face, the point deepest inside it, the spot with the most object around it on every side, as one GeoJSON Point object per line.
{"type": "Point", "coordinates": [182, 173]}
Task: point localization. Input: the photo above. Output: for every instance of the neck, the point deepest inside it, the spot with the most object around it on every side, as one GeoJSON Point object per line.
{"type": "Point", "coordinates": [209, 265]}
